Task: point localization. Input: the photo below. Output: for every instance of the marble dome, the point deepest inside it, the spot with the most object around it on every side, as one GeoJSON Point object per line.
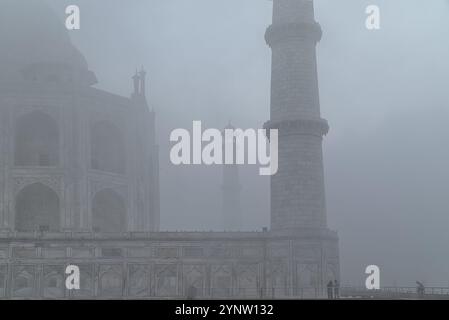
{"type": "Point", "coordinates": [35, 46]}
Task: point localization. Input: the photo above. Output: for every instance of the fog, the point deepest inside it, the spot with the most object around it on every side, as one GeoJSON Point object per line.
{"type": "Point", "coordinates": [385, 95]}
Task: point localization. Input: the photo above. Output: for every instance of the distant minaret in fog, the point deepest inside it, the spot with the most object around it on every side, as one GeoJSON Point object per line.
{"type": "Point", "coordinates": [231, 206]}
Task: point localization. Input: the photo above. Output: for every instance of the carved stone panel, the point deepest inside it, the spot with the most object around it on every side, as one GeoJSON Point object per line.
{"type": "Point", "coordinates": [139, 280]}
{"type": "Point", "coordinates": [248, 280]}
{"type": "Point", "coordinates": [277, 279]}
{"type": "Point", "coordinates": [53, 182]}
{"type": "Point", "coordinates": [53, 281]}
{"type": "Point", "coordinates": [194, 281]}
{"type": "Point", "coordinates": [110, 281]}
{"type": "Point", "coordinates": [307, 280]}
{"type": "Point", "coordinates": [166, 280]}
{"type": "Point", "coordinates": [221, 281]}
{"type": "Point", "coordinates": [24, 281]}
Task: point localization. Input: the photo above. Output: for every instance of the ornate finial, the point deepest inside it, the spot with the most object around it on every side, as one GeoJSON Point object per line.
{"type": "Point", "coordinates": [136, 83]}
{"type": "Point", "coordinates": [229, 125]}
{"type": "Point", "coordinates": [142, 75]}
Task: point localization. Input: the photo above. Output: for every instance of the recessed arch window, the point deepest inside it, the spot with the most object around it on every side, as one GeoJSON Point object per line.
{"type": "Point", "coordinates": [37, 208]}
{"type": "Point", "coordinates": [111, 284]}
{"type": "Point", "coordinates": [36, 140]}
{"type": "Point", "coordinates": [108, 151]}
{"type": "Point", "coordinates": [108, 212]}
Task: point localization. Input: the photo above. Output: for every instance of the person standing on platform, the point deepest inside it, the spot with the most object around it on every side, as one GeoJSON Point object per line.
{"type": "Point", "coordinates": [336, 290]}
{"type": "Point", "coordinates": [330, 290]}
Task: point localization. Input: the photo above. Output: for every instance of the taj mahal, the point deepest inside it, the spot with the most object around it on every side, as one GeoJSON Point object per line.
{"type": "Point", "coordinates": [79, 179]}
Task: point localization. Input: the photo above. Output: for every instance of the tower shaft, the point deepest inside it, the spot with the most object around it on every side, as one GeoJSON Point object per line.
{"type": "Point", "coordinates": [297, 190]}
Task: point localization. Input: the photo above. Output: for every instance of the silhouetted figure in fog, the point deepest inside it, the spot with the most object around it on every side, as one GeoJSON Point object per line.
{"type": "Point", "coordinates": [336, 290]}
{"type": "Point", "coordinates": [420, 289]}
{"type": "Point", "coordinates": [330, 290]}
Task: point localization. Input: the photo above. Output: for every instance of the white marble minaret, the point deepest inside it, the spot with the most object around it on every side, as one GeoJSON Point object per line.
{"type": "Point", "coordinates": [297, 190]}
{"type": "Point", "coordinates": [298, 205]}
